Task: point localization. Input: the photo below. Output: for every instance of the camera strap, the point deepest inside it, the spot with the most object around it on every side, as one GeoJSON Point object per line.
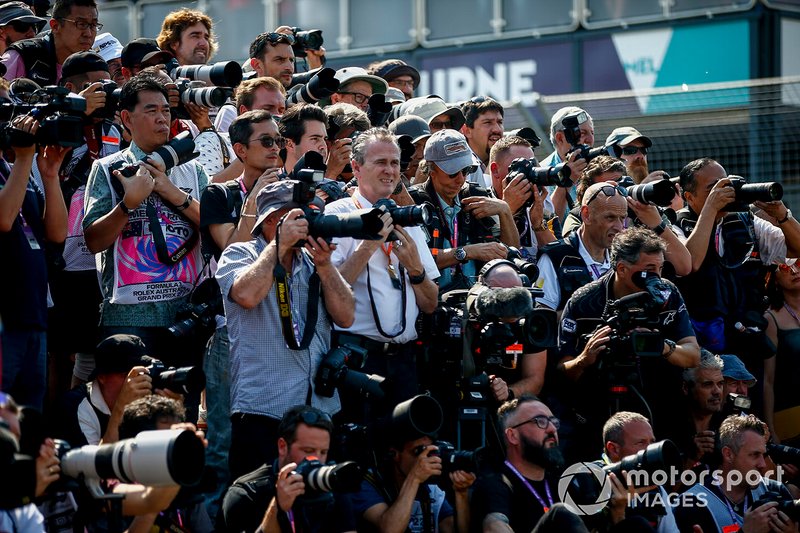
{"type": "Point", "coordinates": [160, 241]}
{"type": "Point", "coordinates": [375, 310]}
{"type": "Point", "coordinates": [282, 292]}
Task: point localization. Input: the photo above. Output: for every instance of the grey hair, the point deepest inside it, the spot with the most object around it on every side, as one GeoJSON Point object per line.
{"type": "Point", "coordinates": [372, 135]}
{"type": "Point", "coordinates": [347, 115]}
{"type": "Point", "coordinates": [732, 429]}
{"type": "Point", "coordinates": [615, 426]}
{"type": "Point", "coordinates": [558, 116]}
{"type": "Point", "coordinates": [630, 244]}
{"type": "Point", "coordinates": [708, 361]}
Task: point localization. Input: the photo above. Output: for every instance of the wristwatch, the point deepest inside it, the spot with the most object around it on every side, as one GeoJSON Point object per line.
{"type": "Point", "coordinates": [416, 280]}
{"type": "Point", "coordinates": [672, 345]}
{"type": "Point", "coordinates": [461, 255]}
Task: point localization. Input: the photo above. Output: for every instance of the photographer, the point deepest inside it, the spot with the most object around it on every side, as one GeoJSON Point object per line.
{"type": "Point", "coordinates": [267, 376]}
{"type": "Point", "coordinates": [305, 128]}
{"type": "Point", "coordinates": [730, 248]}
{"type": "Point", "coordinates": [404, 496]}
{"type": "Point", "coordinates": [188, 35]}
{"type": "Point", "coordinates": [30, 221]}
{"type": "Point", "coordinates": [738, 498]}
{"type": "Point", "coordinates": [392, 281]}
{"type": "Point", "coordinates": [630, 146]}
{"type": "Point", "coordinates": [276, 496]}
{"type": "Point", "coordinates": [143, 292]}
{"type": "Point", "coordinates": [470, 227]}
{"type": "Point", "coordinates": [75, 316]}
{"type": "Point", "coordinates": [592, 370]}
{"type": "Point", "coordinates": [271, 55]}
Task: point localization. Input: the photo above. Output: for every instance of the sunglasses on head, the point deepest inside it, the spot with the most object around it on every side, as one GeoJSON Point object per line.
{"type": "Point", "coordinates": [788, 269]}
{"type": "Point", "coordinates": [608, 190]}
{"type": "Point", "coordinates": [466, 171]}
{"type": "Point", "coordinates": [268, 142]}
{"type": "Point", "coordinates": [272, 38]}
{"type": "Point", "coordinates": [311, 418]}
{"type": "Point", "coordinates": [632, 150]}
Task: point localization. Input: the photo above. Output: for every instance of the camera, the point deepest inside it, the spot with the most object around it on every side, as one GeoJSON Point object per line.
{"type": "Point", "coordinates": [184, 380]}
{"type": "Point", "coordinates": [321, 479]}
{"type": "Point", "coordinates": [157, 458]}
{"type": "Point", "coordinates": [378, 110]}
{"type": "Point", "coordinates": [18, 470]}
{"type": "Point", "coordinates": [222, 74]}
{"type": "Point", "coordinates": [321, 85]}
{"type": "Point", "coordinates": [572, 133]}
{"type": "Point", "coordinates": [306, 40]}
{"type": "Point", "coordinates": [196, 92]}
{"type": "Point", "coordinates": [338, 369]}
{"type": "Point", "coordinates": [411, 215]}
{"type": "Point", "coordinates": [452, 459]}
{"type": "Point", "coordinates": [782, 454]}
{"type": "Point", "coordinates": [60, 115]}
{"type": "Point", "coordinates": [361, 224]}
{"type": "Point", "coordinates": [747, 193]}
{"type": "Point", "coordinates": [176, 152]}
{"type": "Point", "coordinates": [659, 456]}
{"type": "Point", "coordinates": [113, 93]}
{"type": "Point", "coordinates": [626, 314]}
{"type": "Point", "coordinates": [737, 403]}
{"type": "Point", "coordinates": [786, 505]}
{"type": "Point", "coordinates": [558, 175]}
{"type": "Point", "coordinates": [658, 193]}
{"type": "Point", "coordinates": [526, 268]}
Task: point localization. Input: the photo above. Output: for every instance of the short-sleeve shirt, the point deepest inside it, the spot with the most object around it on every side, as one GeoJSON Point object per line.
{"type": "Point", "coordinates": [215, 208]}
{"type": "Point", "coordinates": [369, 496]}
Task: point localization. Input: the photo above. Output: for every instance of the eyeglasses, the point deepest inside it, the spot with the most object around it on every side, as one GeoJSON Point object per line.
{"type": "Point", "coordinates": [632, 150]}
{"type": "Point", "coordinates": [405, 83]}
{"type": "Point", "coordinates": [541, 422]}
{"type": "Point", "coordinates": [359, 98]}
{"type": "Point", "coordinates": [466, 171]}
{"type": "Point", "coordinates": [608, 190]}
{"type": "Point", "coordinates": [268, 142]}
{"type": "Point", "coordinates": [21, 27]}
{"type": "Point", "coordinates": [440, 125]}
{"type": "Point", "coordinates": [788, 269]}
{"type": "Point", "coordinates": [83, 25]}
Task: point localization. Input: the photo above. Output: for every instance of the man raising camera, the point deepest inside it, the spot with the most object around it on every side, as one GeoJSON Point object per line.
{"type": "Point", "coordinates": [146, 225]}
{"type": "Point", "coordinates": [273, 495]}
{"type": "Point", "coordinates": [275, 355]}
{"type": "Point", "coordinates": [594, 369]}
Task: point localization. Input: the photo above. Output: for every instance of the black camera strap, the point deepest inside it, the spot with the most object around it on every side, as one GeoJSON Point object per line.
{"type": "Point", "coordinates": [282, 293]}
{"type": "Point", "coordinates": [375, 310]}
{"type": "Point", "coordinates": [160, 241]}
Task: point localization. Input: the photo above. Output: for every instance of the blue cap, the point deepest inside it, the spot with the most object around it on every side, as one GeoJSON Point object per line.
{"type": "Point", "coordinates": [734, 369]}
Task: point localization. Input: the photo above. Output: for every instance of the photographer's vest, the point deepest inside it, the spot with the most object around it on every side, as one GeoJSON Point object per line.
{"type": "Point", "coordinates": [721, 511]}
{"type": "Point", "coordinates": [571, 269]}
{"type": "Point", "coordinates": [39, 56]}
{"type": "Point", "coordinates": [74, 173]}
{"type": "Point", "coordinates": [140, 276]}
{"type": "Point", "coordinates": [724, 288]}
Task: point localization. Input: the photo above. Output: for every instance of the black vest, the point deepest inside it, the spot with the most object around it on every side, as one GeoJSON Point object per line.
{"type": "Point", "coordinates": [570, 267]}
{"type": "Point", "coordinates": [39, 56]}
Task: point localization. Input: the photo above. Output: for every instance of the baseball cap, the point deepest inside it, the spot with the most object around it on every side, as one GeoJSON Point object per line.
{"type": "Point", "coordinates": [271, 198]}
{"type": "Point", "coordinates": [430, 107]}
{"type": "Point", "coordinates": [393, 68]}
{"type": "Point", "coordinates": [395, 95]}
{"type": "Point", "coordinates": [734, 369]}
{"type": "Point", "coordinates": [449, 150]}
{"type": "Point", "coordinates": [351, 74]}
{"type": "Point", "coordinates": [107, 46]}
{"type": "Point", "coordinates": [626, 135]}
{"type": "Point", "coordinates": [117, 354]}
{"type": "Point", "coordinates": [143, 50]}
{"type": "Point", "coordinates": [20, 11]}
{"type": "Point", "coordinates": [81, 63]}
{"type": "Point", "coordinates": [411, 125]}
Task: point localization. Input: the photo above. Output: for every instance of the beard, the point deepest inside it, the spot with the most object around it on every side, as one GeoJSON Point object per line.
{"type": "Point", "coordinates": [549, 458]}
{"type": "Point", "coordinates": [638, 170]}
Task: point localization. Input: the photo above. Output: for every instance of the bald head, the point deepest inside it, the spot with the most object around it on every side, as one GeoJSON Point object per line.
{"type": "Point", "coordinates": [502, 277]}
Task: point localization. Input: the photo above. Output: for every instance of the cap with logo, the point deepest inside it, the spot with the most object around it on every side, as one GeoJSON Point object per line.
{"type": "Point", "coordinates": [626, 135]}
{"type": "Point", "coordinates": [142, 50]}
{"type": "Point", "coordinates": [107, 46]}
{"type": "Point", "coordinates": [449, 150]}
{"type": "Point", "coordinates": [81, 63]}
{"type": "Point", "coordinates": [430, 107]}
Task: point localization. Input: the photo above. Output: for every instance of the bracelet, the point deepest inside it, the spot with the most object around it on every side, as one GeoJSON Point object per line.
{"type": "Point", "coordinates": [124, 208]}
{"type": "Point", "coordinates": [541, 227]}
{"type": "Point", "coordinates": [245, 215]}
{"type": "Point", "coordinates": [186, 202]}
{"type": "Point", "coordinates": [209, 128]}
{"type": "Point", "coordinates": [786, 218]}
{"type": "Point", "coordinates": [510, 395]}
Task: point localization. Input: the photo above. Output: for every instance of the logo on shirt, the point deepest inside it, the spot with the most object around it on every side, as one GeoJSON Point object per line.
{"type": "Point", "coordinates": [569, 325]}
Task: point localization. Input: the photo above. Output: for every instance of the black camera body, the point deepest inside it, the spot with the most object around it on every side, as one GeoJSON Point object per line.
{"type": "Point", "coordinates": [558, 175]}
{"type": "Point", "coordinates": [179, 150]}
{"type": "Point", "coordinates": [786, 505]}
{"type": "Point", "coordinates": [637, 310]}
{"type": "Point", "coordinates": [184, 380]}
{"type": "Point", "coordinates": [339, 369]}
{"type": "Point", "coordinates": [572, 133]}
{"type": "Point", "coordinates": [60, 116]}
{"type": "Point", "coordinates": [321, 480]}
{"type": "Point", "coordinates": [410, 215]}
{"type": "Point", "coordinates": [113, 94]}
{"type": "Point", "coordinates": [453, 459]}
{"type": "Point", "coordinates": [306, 40]}
{"type": "Point", "coordinates": [747, 193]}
{"type": "Point", "coordinates": [782, 454]}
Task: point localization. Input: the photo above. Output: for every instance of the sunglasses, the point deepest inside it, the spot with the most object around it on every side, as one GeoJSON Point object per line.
{"type": "Point", "coordinates": [788, 269]}
{"type": "Point", "coordinates": [541, 422]}
{"type": "Point", "coordinates": [21, 27]}
{"type": "Point", "coordinates": [271, 38]}
{"type": "Point", "coordinates": [268, 142]}
{"type": "Point", "coordinates": [311, 418]}
{"type": "Point", "coordinates": [633, 150]}
{"type": "Point", "coordinates": [608, 190]}
{"type": "Point", "coordinates": [466, 171]}
{"type": "Point", "coordinates": [358, 97]}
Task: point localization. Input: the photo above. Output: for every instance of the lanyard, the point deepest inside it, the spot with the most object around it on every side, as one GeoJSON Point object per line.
{"type": "Point", "coordinates": [530, 488]}
{"type": "Point", "coordinates": [737, 521]}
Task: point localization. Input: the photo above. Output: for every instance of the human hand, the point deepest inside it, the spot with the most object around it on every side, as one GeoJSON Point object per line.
{"type": "Point", "coordinates": [50, 159]}
{"type": "Point", "coordinates": [288, 487]}
{"type": "Point", "coordinates": [703, 443]}
{"type": "Point", "coordinates": [427, 465]}
{"type": "Point", "coordinates": [486, 251]}
{"type": "Point", "coordinates": [199, 115]}
{"type": "Point", "coordinates": [781, 523]}
{"type": "Point", "coordinates": [138, 384]}
{"type": "Point", "coordinates": [517, 191]}
{"type": "Point", "coordinates": [161, 184]}
{"type": "Point", "coordinates": [48, 466]}
{"type": "Point", "coordinates": [721, 195]}
{"type": "Point", "coordinates": [137, 187]}
{"type": "Point", "coordinates": [293, 230]}
{"type": "Point", "coordinates": [95, 97]}
{"type": "Point", "coordinates": [405, 248]}
{"type": "Point", "coordinates": [775, 209]}
{"type": "Point", "coordinates": [576, 165]}
{"type": "Point", "coordinates": [484, 206]}
{"type": "Point", "coordinates": [499, 388]}
{"type": "Point", "coordinates": [191, 427]}
{"type": "Point", "coordinates": [595, 346]}
{"type": "Point", "coordinates": [759, 520]}
{"type": "Point", "coordinates": [24, 144]}
{"type": "Point", "coordinates": [315, 58]}
{"type": "Point", "coordinates": [462, 480]}
{"type": "Point", "coordinates": [320, 251]}
{"type": "Point", "coordinates": [646, 213]}
{"type": "Point", "coordinates": [339, 156]}
{"type": "Point", "coordinates": [536, 211]}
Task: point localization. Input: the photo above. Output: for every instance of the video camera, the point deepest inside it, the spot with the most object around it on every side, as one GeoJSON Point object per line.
{"type": "Point", "coordinates": [179, 150]}
{"type": "Point", "coordinates": [658, 193]}
{"type": "Point", "coordinates": [572, 133]}
{"type": "Point", "coordinates": [60, 115]}
{"type": "Point", "coordinates": [306, 40]}
{"type": "Point", "coordinates": [339, 369]}
{"type": "Point", "coordinates": [184, 380]}
{"type": "Point", "coordinates": [363, 224]}
{"type": "Point", "coordinates": [154, 458]}
{"type": "Point", "coordinates": [558, 175]}
{"type": "Point", "coordinates": [747, 193]}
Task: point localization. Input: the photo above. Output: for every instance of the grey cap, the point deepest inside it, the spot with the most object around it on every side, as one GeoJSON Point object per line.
{"type": "Point", "coordinates": [626, 135]}
{"type": "Point", "coordinates": [411, 125]}
{"type": "Point", "coordinates": [449, 150]}
{"type": "Point", "coordinates": [395, 95]}
{"type": "Point", "coordinates": [271, 198]}
{"type": "Point", "coordinates": [734, 369]}
{"type": "Point", "coordinates": [22, 12]}
{"type": "Point", "coordinates": [350, 74]}
{"type": "Point", "coordinates": [430, 107]}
